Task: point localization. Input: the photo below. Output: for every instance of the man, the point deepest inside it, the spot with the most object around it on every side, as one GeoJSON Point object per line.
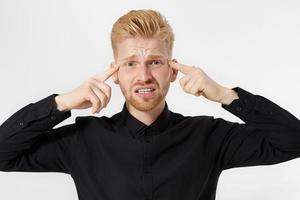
{"type": "Point", "coordinates": [147, 151]}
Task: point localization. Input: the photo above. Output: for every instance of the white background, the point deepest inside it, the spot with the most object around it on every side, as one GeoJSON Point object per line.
{"type": "Point", "coordinates": [52, 46]}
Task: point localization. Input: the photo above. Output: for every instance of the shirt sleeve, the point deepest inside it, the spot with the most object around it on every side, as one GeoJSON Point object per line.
{"type": "Point", "coordinates": [29, 143]}
{"type": "Point", "coordinates": [270, 134]}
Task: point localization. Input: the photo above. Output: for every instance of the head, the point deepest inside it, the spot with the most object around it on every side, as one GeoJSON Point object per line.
{"type": "Point", "coordinates": [142, 42]}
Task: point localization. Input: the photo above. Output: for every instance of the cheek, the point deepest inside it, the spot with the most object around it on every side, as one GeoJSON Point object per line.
{"type": "Point", "coordinates": [163, 73]}
{"type": "Point", "coordinates": [124, 79]}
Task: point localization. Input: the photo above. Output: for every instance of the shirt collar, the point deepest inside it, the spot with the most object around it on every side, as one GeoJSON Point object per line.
{"type": "Point", "coordinates": [135, 126]}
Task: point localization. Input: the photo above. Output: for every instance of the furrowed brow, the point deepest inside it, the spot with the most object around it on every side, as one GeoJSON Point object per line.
{"type": "Point", "coordinates": [155, 56]}
{"type": "Point", "coordinates": [130, 57]}
{"type": "Point", "coordinates": [148, 57]}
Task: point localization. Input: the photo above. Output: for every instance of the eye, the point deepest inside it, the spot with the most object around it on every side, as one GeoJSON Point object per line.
{"type": "Point", "coordinates": [155, 62]}
{"type": "Point", "coordinates": [130, 64]}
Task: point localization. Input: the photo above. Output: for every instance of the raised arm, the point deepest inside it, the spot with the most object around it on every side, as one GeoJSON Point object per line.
{"type": "Point", "coordinates": [28, 141]}
{"type": "Point", "coordinates": [269, 135]}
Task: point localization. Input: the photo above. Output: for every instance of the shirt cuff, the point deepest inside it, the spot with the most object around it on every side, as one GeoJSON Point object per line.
{"type": "Point", "coordinates": [245, 103]}
{"type": "Point", "coordinates": [47, 107]}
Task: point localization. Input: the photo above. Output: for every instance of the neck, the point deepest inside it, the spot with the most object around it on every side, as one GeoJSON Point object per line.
{"type": "Point", "coordinates": [147, 117]}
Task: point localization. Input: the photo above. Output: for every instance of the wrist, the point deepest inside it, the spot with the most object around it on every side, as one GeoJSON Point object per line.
{"type": "Point", "coordinates": [228, 95]}
{"type": "Point", "coordinates": [60, 105]}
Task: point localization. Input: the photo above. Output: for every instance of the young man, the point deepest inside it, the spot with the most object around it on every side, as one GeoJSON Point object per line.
{"type": "Point", "coordinates": [147, 151]}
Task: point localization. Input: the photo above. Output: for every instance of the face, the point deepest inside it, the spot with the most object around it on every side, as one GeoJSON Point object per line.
{"type": "Point", "coordinates": [143, 64]}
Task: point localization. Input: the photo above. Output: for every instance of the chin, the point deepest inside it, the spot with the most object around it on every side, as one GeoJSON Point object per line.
{"type": "Point", "coordinates": [145, 104]}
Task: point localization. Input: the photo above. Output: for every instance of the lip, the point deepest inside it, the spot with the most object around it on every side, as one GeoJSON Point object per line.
{"type": "Point", "coordinates": [151, 87]}
{"type": "Point", "coordinates": [146, 95]}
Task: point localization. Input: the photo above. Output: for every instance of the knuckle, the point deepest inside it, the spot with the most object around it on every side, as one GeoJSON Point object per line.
{"type": "Point", "coordinates": [105, 99]}
{"type": "Point", "coordinates": [108, 88]}
{"type": "Point", "coordinates": [89, 91]}
{"type": "Point", "coordinates": [194, 91]}
{"type": "Point", "coordinates": [95, 100]}
{"type": "Point", "coordinates": [104, 86]}
{"type": "Point", "coordinates": [97, 103]}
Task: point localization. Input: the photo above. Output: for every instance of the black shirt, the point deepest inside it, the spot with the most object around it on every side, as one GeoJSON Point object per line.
{"type": "Point", "coordinates": [175, 158]}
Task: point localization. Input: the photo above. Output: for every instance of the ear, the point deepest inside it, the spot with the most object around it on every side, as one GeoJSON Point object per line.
{"type": "Point", "coordinates": [174, 72]}
{"type": "Point", "coordinates": [114, 75]}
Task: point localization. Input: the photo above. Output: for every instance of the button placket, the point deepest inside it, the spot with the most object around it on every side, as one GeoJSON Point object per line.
{"type": "Point", "coordinates": [147, 153]}
{"type": "Point", "coordinates": [147, 171]}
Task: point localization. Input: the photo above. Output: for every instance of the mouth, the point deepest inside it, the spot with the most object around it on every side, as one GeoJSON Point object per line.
{"type": "Point", "coordinates": [145, 92]}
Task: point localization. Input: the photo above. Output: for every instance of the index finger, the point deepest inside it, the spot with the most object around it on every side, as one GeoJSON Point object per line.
{"type": "Point", "coordinates": [185, 69]}
{"type": "Point", "coordinates": [103, 76]}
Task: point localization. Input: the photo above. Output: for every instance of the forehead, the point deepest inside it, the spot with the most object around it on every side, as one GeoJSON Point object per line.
{"type": "Point", "coordinates": [141, 47]}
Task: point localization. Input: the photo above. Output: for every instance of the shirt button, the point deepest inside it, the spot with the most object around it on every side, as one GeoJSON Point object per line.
{"type": "Point", "coordinates": [21, 123]}
{"type": "Point", "coordinates": [238, 108]}
{"type": "Point", "coordinates": [53, 117]}
{"type": "Point", "coordinates": [271, 112]}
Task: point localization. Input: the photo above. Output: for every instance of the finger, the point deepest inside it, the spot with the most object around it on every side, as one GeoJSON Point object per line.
{"type": "Point", "coordinates": [184, 80]}
{"type": "Point", "coordinates": [198, 93]}
{"type": "Point", "coordinates": [190, 84]}
{"type": "Point", "coordinates": [101, 96]}
{"type": "Point", "coordinates": [185, 69]}
{"type": "Point", "coordinates": [103, 76]}
{"type": "Point", "coordinates": [196, 88]}
{"type": "Point", "coordinates": [104, 88]}
{"type": "Point", "coordinates": [93, 98]}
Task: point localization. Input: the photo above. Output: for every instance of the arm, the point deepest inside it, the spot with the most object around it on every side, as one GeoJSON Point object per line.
{"type": "Point", "coordinates": [269, 135]}
{"type": "Point", "coordinates": [28, 141]}
{"type": "Point", "coordinates": [228, 95]}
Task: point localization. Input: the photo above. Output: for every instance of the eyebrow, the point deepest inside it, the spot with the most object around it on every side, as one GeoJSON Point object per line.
{"type": "Point", "coordinates": [149, 57]}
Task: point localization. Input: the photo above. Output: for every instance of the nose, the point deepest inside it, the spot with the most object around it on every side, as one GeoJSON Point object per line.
{"type": "Point", "coordinates": [144, 73]}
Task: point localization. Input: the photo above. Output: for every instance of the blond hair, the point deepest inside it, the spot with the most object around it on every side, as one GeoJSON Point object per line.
{"type": "Point", "coordinates": [145, 23]}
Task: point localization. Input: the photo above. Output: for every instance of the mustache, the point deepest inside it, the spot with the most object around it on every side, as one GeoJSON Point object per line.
{"type": "Point", "coordinates": [145, 83]}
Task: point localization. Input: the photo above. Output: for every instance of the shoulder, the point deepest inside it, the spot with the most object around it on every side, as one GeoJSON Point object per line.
{"type": "Point", "coordinates": [178, 118]}
{"type": "Point", "coordinates": [96, 122]}
{"type": "Point", "coordinates": [204, 122]}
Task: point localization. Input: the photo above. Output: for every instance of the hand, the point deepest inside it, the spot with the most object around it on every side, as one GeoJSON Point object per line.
{"type": "Point", "coordinates": [195, 81]}
{"type": "Point", "coordinates": [92, 93]}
